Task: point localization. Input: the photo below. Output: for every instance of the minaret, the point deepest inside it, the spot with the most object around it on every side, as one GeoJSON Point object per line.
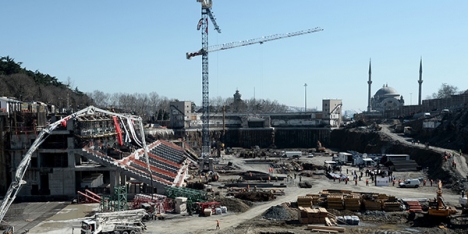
{"type": "Point", "coordinates": [369, 82]}
{"type": "Point", "coordinates": [420, 81]}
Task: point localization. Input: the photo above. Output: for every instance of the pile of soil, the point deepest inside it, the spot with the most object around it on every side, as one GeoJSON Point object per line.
{"type": "Point", "coordinates": [255, 196]}
{"type": "Point", "coordinates": [234, 204]}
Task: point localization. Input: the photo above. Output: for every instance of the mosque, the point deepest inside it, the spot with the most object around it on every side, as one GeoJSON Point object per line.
{"type": "Point", "coordinates": [387, 98]}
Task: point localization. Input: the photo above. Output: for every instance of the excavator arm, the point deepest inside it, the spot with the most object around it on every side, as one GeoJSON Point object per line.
{"type": "Point", "coordinates": [18, 181]}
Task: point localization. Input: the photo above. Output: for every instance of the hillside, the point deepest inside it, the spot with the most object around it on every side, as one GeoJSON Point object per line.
{"type": "Point", "coordinates": [25, 85]}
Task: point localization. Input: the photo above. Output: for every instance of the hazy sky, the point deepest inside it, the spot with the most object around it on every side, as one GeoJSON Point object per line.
{"type": "Point", "coordinates": [140, 46]}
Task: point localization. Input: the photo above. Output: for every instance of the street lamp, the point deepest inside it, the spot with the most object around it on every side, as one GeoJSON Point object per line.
{"type": "Point", "coordinates": [411, 98]}
{"type": "Point", "coordinates": [305, 97]}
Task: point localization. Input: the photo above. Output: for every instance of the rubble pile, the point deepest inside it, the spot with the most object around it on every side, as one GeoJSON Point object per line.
{"type": "Point", "coordinates": [278, 212]}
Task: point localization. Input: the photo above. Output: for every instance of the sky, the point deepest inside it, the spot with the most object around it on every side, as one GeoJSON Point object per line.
{"type": "Point", "coordinates": [139, 47]}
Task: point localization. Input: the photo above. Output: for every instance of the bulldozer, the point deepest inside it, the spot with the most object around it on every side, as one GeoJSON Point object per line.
{"type": "Point", "coordinates": [438, 207]}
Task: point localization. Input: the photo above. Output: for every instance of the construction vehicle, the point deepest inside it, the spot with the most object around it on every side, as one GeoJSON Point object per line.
{"type": "Point", "coordinates": [320, 148]}
{"type": "Point", "coordinates": [17, 180]}
{"type": "Point", "coordinates": [122, 222]}
{"type": "Point", "coordinates": [438, 207]}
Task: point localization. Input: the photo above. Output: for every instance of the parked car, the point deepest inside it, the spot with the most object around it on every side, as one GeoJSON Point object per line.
{"type": "Point", "coordinates": [410, 183]}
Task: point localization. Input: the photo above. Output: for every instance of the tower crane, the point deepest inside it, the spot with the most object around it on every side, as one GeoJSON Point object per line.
{"type": "Point", "coordinates": [203, 25]}
{"type": "Point", "coordinates": [259, 40]}
{"type": "Point", "coordinates": [205, 50]}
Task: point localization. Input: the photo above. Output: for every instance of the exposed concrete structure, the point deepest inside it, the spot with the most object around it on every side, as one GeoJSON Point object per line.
{"type": "Point", "coordinates": [83, 149]}
{"type": "Point", "coordinates": [332, 114]}
{"type": "Point", "coordinates": [264, 130]}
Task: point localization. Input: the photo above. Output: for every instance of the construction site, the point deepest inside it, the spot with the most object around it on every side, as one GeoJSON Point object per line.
{"type": "Point", "coordinates": [101, 170]}
{"type": "Point", "coordinates": [97, 171]}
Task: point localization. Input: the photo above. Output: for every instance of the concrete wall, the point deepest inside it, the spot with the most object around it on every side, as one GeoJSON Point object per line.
{"type": "Point", "coordinates": [61, 181]}
{"type": "Point", "coordinates": [263, 137]}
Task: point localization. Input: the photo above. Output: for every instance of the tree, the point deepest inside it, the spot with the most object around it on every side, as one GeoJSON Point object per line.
{"type": "Point", "coordinates": [445, 91]}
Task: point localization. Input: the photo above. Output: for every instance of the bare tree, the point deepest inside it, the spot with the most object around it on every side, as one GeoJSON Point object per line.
{"type": "Point", "coordinates": [445, 91]}
{"type": "Point", "coordinates": [100, 98]}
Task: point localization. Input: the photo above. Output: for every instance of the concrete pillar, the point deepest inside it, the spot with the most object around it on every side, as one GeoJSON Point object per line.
{"type": "Point", "coordinates": [114, 180]}
{"type": "Point", "coordinates": [122, 179]}
{"type": "Point", "coordinates": [71, 152]}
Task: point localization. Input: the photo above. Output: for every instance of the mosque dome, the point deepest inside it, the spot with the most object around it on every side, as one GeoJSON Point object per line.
{"type": "Point", "coordinates": [386, 91]}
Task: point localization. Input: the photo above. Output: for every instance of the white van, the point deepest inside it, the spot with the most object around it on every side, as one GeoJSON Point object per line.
{"type": "Point", "coordinates": [410, 183]}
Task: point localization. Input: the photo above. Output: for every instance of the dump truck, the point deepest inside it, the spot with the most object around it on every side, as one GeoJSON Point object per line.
{"type": "Point", "coordinates": [122, 222]}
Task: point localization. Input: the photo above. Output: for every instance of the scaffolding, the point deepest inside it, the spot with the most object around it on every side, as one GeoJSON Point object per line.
{"type": "Point", "coordinates": [118, 203]}
{"type": "Point", "coordinates": [193, 196]}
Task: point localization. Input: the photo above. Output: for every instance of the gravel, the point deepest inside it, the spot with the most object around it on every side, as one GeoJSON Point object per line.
{"type": "Point", "coordinates": [277, 213]}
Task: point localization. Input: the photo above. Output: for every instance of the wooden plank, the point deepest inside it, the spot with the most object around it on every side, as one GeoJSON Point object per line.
{"type": "Point", "coordinates": [339, 229]}
{"type": "Point", "coordinates": [323, 230]}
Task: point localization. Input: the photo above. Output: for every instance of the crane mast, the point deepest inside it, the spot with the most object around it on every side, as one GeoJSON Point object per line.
{"type": "Point", "coordinates": [204, 51]}
{"type": "Point", "coordinates": [205, 13]}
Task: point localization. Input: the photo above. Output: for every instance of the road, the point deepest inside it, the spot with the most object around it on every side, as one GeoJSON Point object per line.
{"type": "Point", "coordinates": [462, 167]}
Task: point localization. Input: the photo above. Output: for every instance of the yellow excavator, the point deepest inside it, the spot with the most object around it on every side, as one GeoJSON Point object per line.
{"type": "Point", "coordinates": [439, 208]}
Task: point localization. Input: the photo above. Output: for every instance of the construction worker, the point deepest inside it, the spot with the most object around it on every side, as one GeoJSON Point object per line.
{"type": "Point", "coordinates": [217, 224]}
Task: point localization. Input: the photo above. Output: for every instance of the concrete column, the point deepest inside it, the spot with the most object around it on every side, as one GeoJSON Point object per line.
{"type": "Point", "coordinates": [122, 179]}
{"type": "Point", "coordinates": [114, 180]}
{"type": "Point", "coordinates": [71, 152]}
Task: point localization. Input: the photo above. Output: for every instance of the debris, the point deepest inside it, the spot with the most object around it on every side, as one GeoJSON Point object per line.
{"type": "Point", "coordinates": [277, 213]}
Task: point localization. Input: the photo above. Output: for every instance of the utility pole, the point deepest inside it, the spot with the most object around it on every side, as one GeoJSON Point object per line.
{"type": "Point", "coordinates": [305, 97]}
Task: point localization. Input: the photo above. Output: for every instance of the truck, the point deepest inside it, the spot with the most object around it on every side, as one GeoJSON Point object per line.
{"type": "Point", "coordinates": [122, 222]}
{"type": "Point", "coordinates": [344, 158]}
{"type": "Point", "coordinates": [291, 154]}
